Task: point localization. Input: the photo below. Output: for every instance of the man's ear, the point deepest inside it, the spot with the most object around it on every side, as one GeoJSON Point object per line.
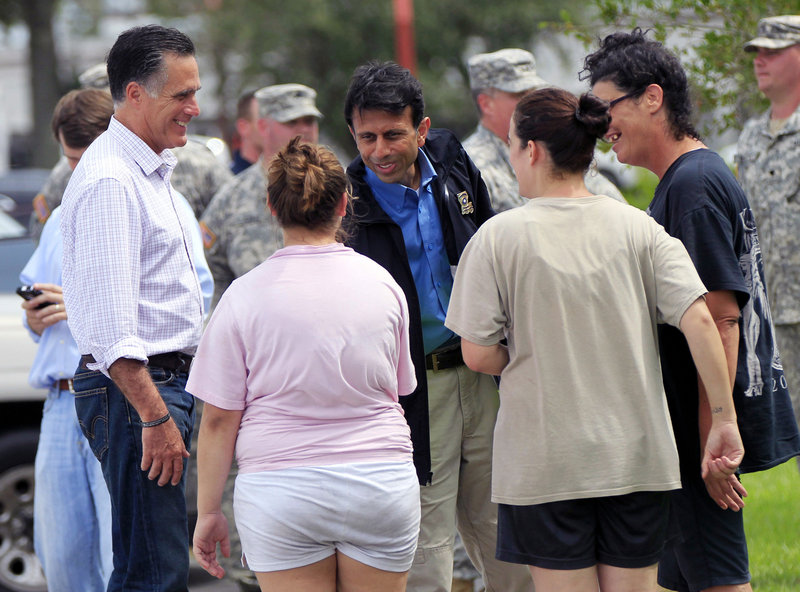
{"type": "Point", "coordinates": [134, 93]}
{"type": "Point", "coordinates": [654, 97]}
{"type": "Point", "coordinates": [484, 103]}
{"type": "Point", "coordinates": [422, 130]}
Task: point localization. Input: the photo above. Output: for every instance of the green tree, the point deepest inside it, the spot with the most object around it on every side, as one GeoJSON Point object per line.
{"type": "Point", "coordinates": [45, 86]}
{"type": "Point", "coordinates": [320, 43]}
{"type": "Point", "coordinates": [708, 36]}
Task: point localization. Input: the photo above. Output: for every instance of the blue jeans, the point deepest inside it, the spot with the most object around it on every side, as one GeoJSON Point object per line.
{"type": "Point", "coordinates": [71, 507]}
{"type": "Point", "coordinates": [149, 525]}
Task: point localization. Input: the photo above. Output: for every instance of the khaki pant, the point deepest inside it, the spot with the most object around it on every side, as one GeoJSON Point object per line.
{"type": "Point", "coordinates": [462, 408]}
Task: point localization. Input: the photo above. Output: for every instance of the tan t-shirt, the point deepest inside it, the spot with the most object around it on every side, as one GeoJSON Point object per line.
{"type": "Point", "coordinates": [577, 286]}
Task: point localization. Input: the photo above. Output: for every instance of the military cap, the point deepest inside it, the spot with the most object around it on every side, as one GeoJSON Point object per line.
{"type": "Point", "coordinates": [285, 102]}
{"type": "Point", "coordinates": [509, 70]}
{"type": "Point", "coordinates": [94, 77]}
{"type": "Point", "coordinates": [776, 32]}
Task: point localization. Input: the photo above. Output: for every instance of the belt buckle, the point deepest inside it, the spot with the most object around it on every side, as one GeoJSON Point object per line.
{"type": "Point", "coordinates": [435, 362]}
{"type": "Point", "coordinates": [69, 383]}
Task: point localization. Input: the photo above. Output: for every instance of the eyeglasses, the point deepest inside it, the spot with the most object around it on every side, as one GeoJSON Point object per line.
{"type": "Point", "coordinates": [622, 98]}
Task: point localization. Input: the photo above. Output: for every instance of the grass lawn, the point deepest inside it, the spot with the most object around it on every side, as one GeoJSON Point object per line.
{"type": "Point", "coordinates": [772, 523]}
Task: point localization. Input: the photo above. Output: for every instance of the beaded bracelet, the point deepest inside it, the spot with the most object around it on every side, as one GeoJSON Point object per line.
{"type": "Point", "coordinates": [155, 422]}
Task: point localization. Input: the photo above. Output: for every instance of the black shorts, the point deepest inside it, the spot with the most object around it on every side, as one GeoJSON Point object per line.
{"type": "Point", "coordinates": [626, 531]}
{"type": "Point", "coordinates": [710, 549]}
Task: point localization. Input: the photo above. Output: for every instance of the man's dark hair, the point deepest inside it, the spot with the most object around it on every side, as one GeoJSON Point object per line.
{"type": "Point", "coordinates": [138, 56]}
{"type": "Point", "coordinates": [384, 87]}
{"type": "Point", "coordinates": [82, 115]}
{"type": "Point", "coordinates": [632, 62]}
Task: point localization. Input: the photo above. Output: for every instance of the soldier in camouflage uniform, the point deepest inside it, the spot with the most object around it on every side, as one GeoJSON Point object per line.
{"type": "Point", "coordinates": [498, 80]}
{"type": "Point", "coordinates": [198, 174]}
{"type": "Point", "coordinates": [768, 161]}
{"type": "Point", "coordinates": [239, 233]}
{"type": "Point", "coordinates": [238, 230]}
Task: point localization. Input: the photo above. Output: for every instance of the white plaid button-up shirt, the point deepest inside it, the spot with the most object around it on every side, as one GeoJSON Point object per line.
{"type": "Point", "coordinates": [130, 285]}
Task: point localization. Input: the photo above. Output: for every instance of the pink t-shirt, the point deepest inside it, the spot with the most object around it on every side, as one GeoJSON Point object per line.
{"type": "Point", "coordinates": [313, 345]}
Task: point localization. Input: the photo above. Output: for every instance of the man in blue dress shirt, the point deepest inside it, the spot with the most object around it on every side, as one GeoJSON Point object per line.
{"type": "Point", "coordinates": [418, 199]}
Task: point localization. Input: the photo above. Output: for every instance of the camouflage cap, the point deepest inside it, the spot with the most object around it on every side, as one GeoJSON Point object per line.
{"type": "Point", "coordinates": [509, 70]}
{"type": "Point", "coordinates": [285, 102]}
{"type": "Point", "coordinates": [776, 32]}
{"type": "Point", "coordinates": [94, 77]}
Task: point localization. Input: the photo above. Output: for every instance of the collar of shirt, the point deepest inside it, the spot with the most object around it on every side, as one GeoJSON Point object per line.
{"type": "Point", "coordinates": [141, 153]}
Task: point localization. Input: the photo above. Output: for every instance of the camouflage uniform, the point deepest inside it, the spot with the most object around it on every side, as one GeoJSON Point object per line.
{"type": "Point", "coordinates": [491, 155]}
{"type": "Point", "coordinates": [768, 163]}
{"type": "Point", "coordinates": [198, 174]}
{"type": "Point", "coordinates": [769, 171]}
{"type": "Point", "coordinates": [50, 197]}
{"type": "Point", "coordinates": [238, 230]}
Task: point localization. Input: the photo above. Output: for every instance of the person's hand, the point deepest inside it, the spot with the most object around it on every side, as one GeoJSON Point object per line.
{"type": "Point", "coordinates": [39, 320]}
{"type": "Point", "coordinates": [722, 456]}
{"type": "Point", "coordinates": [210, 530]}
{"type": "Point", "coordinates": [163, 452]}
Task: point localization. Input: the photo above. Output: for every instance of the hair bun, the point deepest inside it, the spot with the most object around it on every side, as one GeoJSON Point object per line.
{"type": "Point", "coordinates": [593, 113]}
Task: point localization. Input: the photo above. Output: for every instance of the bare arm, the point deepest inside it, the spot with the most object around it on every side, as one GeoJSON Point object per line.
{"type": "Point", "coordinates": [489, 359]}
{"type": "Point", "coordinates": [720, 439]}
{"type": "Point", "coordinates": [724, 310]}
{"type": "Point", "coordinates": [215, 447]}
{"type": "Point", "coordinates": [163, 450]}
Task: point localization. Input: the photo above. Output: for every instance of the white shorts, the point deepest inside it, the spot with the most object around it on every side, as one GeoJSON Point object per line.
{"type": "Point", "coordinates": [293, 517]}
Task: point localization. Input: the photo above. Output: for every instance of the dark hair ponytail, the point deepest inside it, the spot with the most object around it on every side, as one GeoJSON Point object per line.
{"type": "Point", "coordinates": [568, 126]}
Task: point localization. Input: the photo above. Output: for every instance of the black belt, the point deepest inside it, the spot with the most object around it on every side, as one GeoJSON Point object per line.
{"type": "Point", "coordinates": [445, 358]}
{"type": "Point", "coordinates": [175, 361]}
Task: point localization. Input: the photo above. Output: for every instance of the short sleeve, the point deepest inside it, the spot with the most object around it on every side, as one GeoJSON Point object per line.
{"type": "Point", "coordinates": [476, 310]}
{"type": "Point", "coordinates": [678, 284]}
{"type": "Point", "coordinates": [219, 371]}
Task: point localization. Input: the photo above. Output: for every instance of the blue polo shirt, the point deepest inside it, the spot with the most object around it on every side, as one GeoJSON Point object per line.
{"type": "Point", "coordinates": [416, 214]}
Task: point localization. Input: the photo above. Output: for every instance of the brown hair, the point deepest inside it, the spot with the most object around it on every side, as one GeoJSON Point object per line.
{"type": "Point", "coordinates": [243, 110]}
{"type": "Point", "coordinates": [82, 115]}
{"type": "Point", "coordinates": [305, 183]}
{"type": "Point", "coordinates": [567, 125]}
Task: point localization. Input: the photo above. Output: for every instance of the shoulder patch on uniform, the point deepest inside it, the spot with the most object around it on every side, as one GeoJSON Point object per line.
{"type": "Point", "coordinates": [209, 238]}
{"type": "Point", "coordinates": [465, 202]}
{"type": "Point", "coordinates": [41, 208]}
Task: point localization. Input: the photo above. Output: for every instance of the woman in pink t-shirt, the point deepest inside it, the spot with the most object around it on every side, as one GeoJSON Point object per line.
{"type": "Point", "coordinates": [301, 367]}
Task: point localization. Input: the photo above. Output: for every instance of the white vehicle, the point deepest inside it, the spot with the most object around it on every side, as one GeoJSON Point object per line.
{"type": "Point", "coordinates": [20, 417]}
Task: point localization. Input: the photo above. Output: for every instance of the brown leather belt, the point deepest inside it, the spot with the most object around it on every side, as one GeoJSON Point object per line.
{"type": "Point", "coordinates": [65, 384]}
{"type": "Point", "coordinates": [175, 361]}
{"type": "Point", "coordinates": [445, 358]}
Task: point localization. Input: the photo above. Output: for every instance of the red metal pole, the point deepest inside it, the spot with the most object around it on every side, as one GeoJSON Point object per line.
{"type": "Point", "coordinates": [405, 50]}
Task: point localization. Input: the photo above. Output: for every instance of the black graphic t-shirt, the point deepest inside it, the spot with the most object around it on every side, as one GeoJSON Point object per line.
{"type": "Point", "coordinates": [699, 202]}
